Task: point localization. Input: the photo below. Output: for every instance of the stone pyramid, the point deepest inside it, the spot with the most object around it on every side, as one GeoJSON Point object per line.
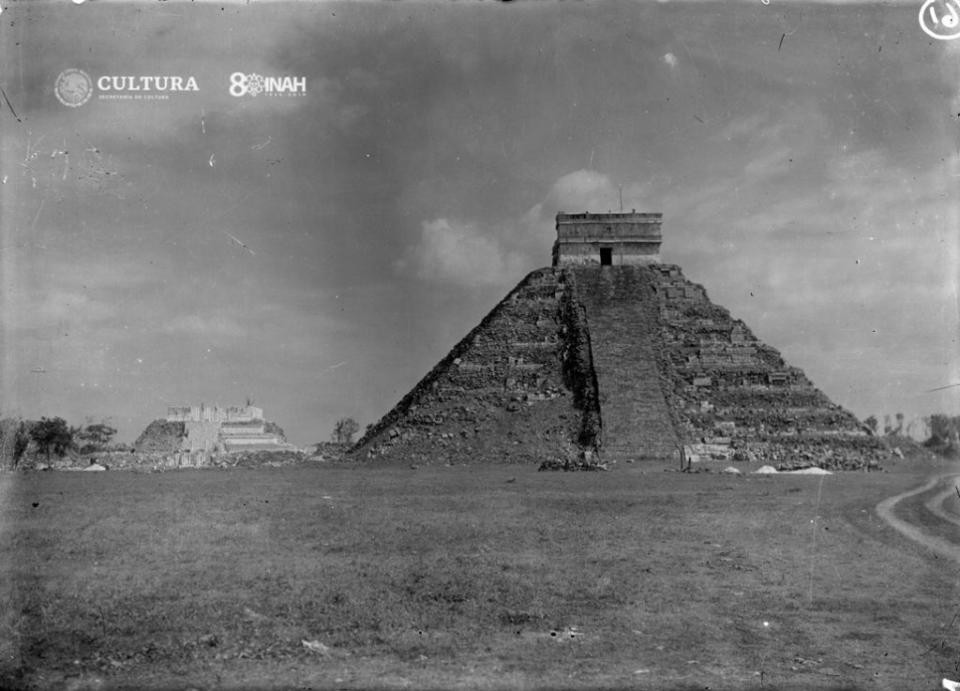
{"type": "Point", "coordinates": [612, 351]}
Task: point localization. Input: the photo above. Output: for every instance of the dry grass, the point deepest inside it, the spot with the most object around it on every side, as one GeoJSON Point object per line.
{"type": "Point", "coordinates": [459, 577]}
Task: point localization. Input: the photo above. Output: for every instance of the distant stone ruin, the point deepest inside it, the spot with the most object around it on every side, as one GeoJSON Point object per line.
{"type": "Point", "coordinates": [215, 429]}
{"type": "Point", "coordinates": [205, 413]}
{"type": "Point", "coordinates": [192, 435]}
{"type": "Point", "coordinates": [612, 352]}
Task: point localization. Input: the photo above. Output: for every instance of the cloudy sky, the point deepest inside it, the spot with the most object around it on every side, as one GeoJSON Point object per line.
{"type": "Point", "coordinates": [319, 253]}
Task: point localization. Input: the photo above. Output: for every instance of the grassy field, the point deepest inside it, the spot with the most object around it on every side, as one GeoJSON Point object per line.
{"type": "Point", "coordinates": [468, 577]}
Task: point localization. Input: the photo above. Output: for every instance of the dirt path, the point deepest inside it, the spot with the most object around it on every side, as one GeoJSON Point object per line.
{"type": "Point", "coordinates": [935, 505]}
{"type": "Point", "coordinates": [885, 510]}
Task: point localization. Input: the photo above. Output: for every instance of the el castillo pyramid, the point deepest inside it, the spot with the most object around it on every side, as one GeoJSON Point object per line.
{"type": "Point", "coordinates": [611, 351]}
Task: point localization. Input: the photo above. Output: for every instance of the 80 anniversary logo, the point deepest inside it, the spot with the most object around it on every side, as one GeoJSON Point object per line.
{"type": "Point", "coordinates": [254, 84]}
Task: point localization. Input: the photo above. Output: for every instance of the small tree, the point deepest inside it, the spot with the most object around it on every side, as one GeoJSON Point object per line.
{"type": "Point", "coordinates": [344, 430]}
{"type": "Point", "coordinates": [942, 428]}
{"type": "Point", "coordinates": [14, 440]}
{"type": "Point", "coordinates": [52, 435]}
{"type": "Point", "coordinates": [872, 422]}
{"type": "Point", "coordinates": [20, 443]}
{"type": "Point", "coordinates": [944, 435]}
{"type": "Point", "coordinates": [96, 436]}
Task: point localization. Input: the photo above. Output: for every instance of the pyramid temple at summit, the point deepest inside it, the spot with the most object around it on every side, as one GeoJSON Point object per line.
{"type": "Point", "coordinates": [611, 351]}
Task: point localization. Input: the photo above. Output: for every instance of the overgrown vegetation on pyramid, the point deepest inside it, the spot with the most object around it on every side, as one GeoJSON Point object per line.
{"type": "Point", "coordinates": [518, 387]}
{"type": "Point", "coordinates": [613, 352]}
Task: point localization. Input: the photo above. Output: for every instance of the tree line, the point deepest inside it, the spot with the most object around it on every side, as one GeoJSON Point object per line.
{"type": "Point", "coordinates": [51, 437]}
{"type": "Point", "coordinates": [944, 431]}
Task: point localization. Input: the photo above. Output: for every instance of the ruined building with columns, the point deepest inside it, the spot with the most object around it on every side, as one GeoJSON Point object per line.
{"type": "Point", "coordinates": [216, 429]}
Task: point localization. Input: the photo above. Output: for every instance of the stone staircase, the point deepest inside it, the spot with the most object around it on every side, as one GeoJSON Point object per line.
{"type": "Point", "coordinates": [623, 318]}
